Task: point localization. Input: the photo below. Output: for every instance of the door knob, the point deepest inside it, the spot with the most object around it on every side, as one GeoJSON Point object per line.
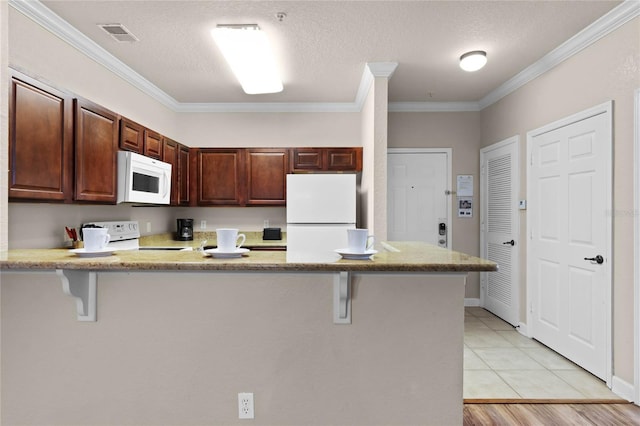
{"type": "Point", "coordinates": [598, 259]}
{"type": "Point", "coordinates": [512, 243]}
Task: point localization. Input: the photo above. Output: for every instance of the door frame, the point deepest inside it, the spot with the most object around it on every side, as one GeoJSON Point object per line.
{"type": "Point", "coordinates": [449, 153]}
{"type": "Point", "coordinates": [604, 108]}
{"type": "Point", "coordinates": [636, 244]}
{"type": "Point", "coordinates": [513, 140]}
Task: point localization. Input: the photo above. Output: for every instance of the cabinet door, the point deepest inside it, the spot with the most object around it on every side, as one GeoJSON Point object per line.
{"type": "Point", "coordinates": [152, 144]}
{"type": "Point", "coordinates": [131, 136]}
{"type": "Point", "coordinates": [267, 176]}
{"type": "Point", "coordinates": [96, 146]}
{"type": "Point", "coordinates": [184, 176]}
{"type": "Point", "coordinates": [40, 141]}
{"type": "Point", "coordinates": [344, 159]}
{"type": "Point", "coordinates": [308, 159]}
{"type": "Point", "coordinates": [220, 177]}
{"type": "Point", "coordinates": [170, 155]}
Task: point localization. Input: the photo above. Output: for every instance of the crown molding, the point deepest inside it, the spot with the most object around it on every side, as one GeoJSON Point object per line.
{"type": "Point", "coordinates": [434, 107]}
{"type": "Point", "coordinates": [267, 107]}
{"type": "Point", "coordinates": [598, 29]}
{"type": "Point", "coordinates": [42, 15]}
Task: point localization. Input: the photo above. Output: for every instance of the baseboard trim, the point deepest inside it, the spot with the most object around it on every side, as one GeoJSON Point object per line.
{"type": "Point", "coordinates": [470, 302]}
{"type": "Point", "coordinates": [622, 389]}
{"type": "Point", "coordinates": [542, 401]}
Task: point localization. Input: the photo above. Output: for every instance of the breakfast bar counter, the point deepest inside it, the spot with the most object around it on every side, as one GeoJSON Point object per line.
{"type": "Point", "coordinates": [171, 337]}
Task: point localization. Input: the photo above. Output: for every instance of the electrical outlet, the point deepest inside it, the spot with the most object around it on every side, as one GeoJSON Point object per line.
{"type": "Point", "coordinates": [203, 224]}
{"type": "Point", "coordinates": [245, 405]}
{"type": "Point", "coordinates": [266, 223]}
{"type": "Point", "coordinates": [148, 226]}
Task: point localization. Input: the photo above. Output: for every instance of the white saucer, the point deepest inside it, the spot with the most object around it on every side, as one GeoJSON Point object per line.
{"type": "Point", "coordinates": [226, 254]}
{"type": "Point", "coordinates": [354, 255]}
{"type": "Point", "coordinates": [83, 252]}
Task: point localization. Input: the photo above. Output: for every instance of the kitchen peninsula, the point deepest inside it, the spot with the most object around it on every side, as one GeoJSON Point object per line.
{"type": "Point", "coordinates": [187, 333]}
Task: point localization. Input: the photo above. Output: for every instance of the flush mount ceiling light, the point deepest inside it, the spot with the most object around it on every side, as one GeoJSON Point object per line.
{"type": "Point", "coordinates": [247, 51]}
{"type": "Point", "coordinates": [473, 61]}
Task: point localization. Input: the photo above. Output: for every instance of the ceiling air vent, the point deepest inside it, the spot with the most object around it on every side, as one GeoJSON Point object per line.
{"type": "Point", "coordinates": [118, 32]}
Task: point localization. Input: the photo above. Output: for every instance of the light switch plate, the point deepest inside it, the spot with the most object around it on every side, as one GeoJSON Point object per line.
{"type": "Point", "coordinates": [522, 204]}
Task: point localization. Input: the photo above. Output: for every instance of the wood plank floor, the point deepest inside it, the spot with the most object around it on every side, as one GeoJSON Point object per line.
{"type": "Point", "coordinates": [551, 414]}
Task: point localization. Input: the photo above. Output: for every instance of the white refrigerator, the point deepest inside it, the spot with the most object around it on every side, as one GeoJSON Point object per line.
{"type": "Point", "coordinates": [320, 209]}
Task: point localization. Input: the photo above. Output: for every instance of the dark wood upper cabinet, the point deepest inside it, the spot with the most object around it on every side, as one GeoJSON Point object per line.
{"type": "Point", "coordinates": [219, 177]}
{"type": "Point", "coordinates": [326, 159]}
{"type": "Point", "coordinates": [267, 170]}
{"type": "Point", "coordinates": [344, 159]}
{"type": "Point", "coordinates": [177, 155]}
{"type": "Point", "coordinates": [152, 144]}
{"type": "Point", "coordinates": [131, 136]}
{"type": "Point", "coordinates": [96, 149]}
{"type": "Point", "coordinates": [307, 159]}
{"type": "Point", "coordinates": [40, 141]}
{"type": "Point", "coordinates": [170, 156]}
{"type": "Point", "coordinates": [184, 175]}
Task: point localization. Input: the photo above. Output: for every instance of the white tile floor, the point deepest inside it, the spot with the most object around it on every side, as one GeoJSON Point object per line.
{"type": "Point", "coordinates": [500, 363]}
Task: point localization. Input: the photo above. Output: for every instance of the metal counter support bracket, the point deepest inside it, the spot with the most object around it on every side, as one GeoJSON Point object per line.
{"type": "Point", "coordinates": [82, 286]}
{"type": "Point", "coordinates": [342, 298]}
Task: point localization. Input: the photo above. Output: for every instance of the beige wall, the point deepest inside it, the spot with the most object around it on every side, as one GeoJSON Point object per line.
{"type": "Point", "coordinates": [269, 129]}
{"type": "Point", "coordinates": [461, 132]}
{"type": "Point", "coordinates": [607, 70]}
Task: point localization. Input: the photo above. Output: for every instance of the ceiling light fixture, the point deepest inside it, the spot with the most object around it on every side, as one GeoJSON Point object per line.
{"type": "Point", "coordinates": [473, 61]}
{"type": "Point", "coordinates": [246, 49]}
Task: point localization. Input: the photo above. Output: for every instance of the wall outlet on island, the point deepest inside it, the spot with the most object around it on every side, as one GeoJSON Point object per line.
{"type": "Point", "coordinates": [245, 405]}
{"type": "Point", "coordinates": [265, 223]}
{"type": "Point", "coordinates": [203, 224]}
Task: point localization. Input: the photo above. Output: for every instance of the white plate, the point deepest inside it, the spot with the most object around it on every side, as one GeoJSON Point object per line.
{"type": "Point", "coordinates": [226, 254]}
{"type": "Point", "coordinates": [354, 255]}
{"type": "Point", "coordinates": [83, 252]}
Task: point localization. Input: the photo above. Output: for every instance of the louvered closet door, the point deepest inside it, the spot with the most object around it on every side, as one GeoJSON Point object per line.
{"type": "Point", "coordinates": [500, 228]}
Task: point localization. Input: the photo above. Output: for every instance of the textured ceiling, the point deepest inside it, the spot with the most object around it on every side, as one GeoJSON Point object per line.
{"type": "Point", "coordinates": [323, 46]}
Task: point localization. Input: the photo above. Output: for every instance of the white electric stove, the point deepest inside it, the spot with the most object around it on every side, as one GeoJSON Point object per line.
{"type": "Point", "coordinates": [125, 235]}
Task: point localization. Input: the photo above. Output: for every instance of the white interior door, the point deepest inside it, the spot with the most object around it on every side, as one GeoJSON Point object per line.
{"type": "Point", "coordinates": [499, 227]}
{"type": "Point", "coordinates": [569, 191]}
{"type": "Point", "coordinates": [417, 197]}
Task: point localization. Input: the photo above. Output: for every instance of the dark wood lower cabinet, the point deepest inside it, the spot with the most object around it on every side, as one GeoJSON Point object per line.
{"type": "Point", "coordinates": [96, 148]}
{"type": "Point", "coordinates": [40, 141]}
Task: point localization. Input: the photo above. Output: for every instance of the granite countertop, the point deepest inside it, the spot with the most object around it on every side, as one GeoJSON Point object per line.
{"type": "Point", "coordinates": [391, 257]}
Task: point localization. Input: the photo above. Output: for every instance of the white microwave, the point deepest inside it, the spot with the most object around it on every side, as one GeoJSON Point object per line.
{"type": "Point", "coordinates": [142, 179]}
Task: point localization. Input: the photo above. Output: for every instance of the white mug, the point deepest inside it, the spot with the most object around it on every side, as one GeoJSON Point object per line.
{"type": "Point", "coordinates": [228, 239]}
{"type": "Point", "coordinates": [95, 238]}
{"type": "Point", "coordinates": [359, 240]}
